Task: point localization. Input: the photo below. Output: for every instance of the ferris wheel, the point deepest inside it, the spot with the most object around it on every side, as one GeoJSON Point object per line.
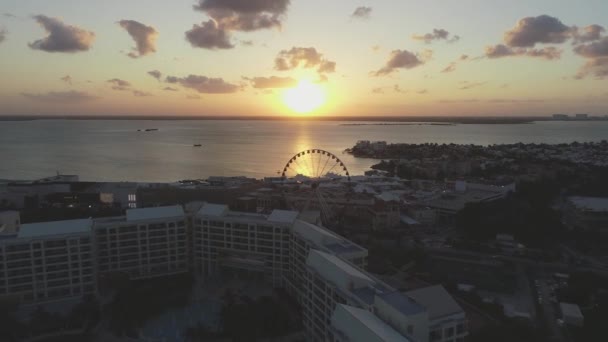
{"type": "Point", "coordinates": [322, 181]}
{"type": "Point", "coordinates": [315, 165]}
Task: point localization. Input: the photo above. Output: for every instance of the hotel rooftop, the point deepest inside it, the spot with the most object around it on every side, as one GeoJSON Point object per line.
{"type": "Point", "coordinates": [44, 229]}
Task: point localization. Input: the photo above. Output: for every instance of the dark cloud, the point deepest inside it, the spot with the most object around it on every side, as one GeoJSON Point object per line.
{"type": "Point", "coordinates": [596, 54]}
{"type": "Point", "coordinates": [62, 37]}
{"type": "Point", "coordinates": [588, 34]}
{"type": "Point", "coordinates": [465, 85]}
{"type": "Point", "coordinates": [246, 42]}
{"type": "Point", "coordinates": [139, 93]}
{"type": "Point", "coordinates": [170, 89]}
{"type": "Point", "coordinates": [400, 59]}
{"type": "Point", "coordinates": [593, 50]}
{"type": "Point", "coordinates": [209, 35]}
{"type": "Point", "coordinates": [452, 66]}
{"type": "Point", "coordinates": [327, 67]}
{"type": "Point", "coordinates": [245, 15]}
{"type": "Point", "coordinates": [305, 58]}
{"type": "Point", "coordinates": [437, 34]}
{"type": "Point", "coordinates": [397, 89]}
{"type": "Point", "coordinates": [156, 74]}
{"type": "Point", "coordinates": [63, 97]}
{"type": "Point", "coordinates": [9, 15]}
{"type": "Point", "coordinates": [272, 82]}
{"type": "Point", "coordinates": [596, 67]}
{"type": "Point", "coordinates": [530, 31]}
{"type": "Point", "coordinates": [118, 84]}
{"type": "Point", "coordinates": [377, 91]}
{"type": "Point", "coordinates": [362, 12]}
{"type": "Point", "coordinates": [234, 15]}
{"type": "Point", "coordinates": [501, 50]}
{"type": "Point", "coordinates": [204, 84]}
{"type": "Point", "coordinates": [144, 37]}
{"type": "Point", "coordinates": [422, 91]}
{"type": "Point", "coordinates": [67, 79]}
{"type": "Point", "coordinates": [2, 35]}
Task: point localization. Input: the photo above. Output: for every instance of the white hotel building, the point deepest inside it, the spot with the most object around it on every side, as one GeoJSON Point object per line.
{"type": "Point", "coordinates": [146, 243]}
{"type": "Point", "coordinates": [322, 270]}
{"type": "Point", "coordinates": [49, 261]}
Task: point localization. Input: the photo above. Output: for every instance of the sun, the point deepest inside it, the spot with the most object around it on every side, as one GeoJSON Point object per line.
{"type": "Point", "coordinates": [305, 97]}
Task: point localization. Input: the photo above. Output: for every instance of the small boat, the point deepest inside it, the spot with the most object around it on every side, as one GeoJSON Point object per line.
{"type": "Point", "coordinates": [197, 145]}
{"type": "Point", "coordinates": [151, 129]}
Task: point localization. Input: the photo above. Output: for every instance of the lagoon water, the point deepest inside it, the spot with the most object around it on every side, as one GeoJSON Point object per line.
{"type": "Point", "coordinates": [114, 150]}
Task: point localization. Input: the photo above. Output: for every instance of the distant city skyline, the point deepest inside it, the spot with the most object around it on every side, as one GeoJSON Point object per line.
{"type": "Point", "coordinates": [285, 58]}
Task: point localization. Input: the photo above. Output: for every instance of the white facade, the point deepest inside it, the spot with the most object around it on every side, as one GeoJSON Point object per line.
{"type": "Point", "coordinates": [350, 324]}
{"type": "Point", "coordinates": [226, 240]}
{"type": "Point", "coordinates": [146, 243]}
{"type": "Point", "coordinates": [47, 262]}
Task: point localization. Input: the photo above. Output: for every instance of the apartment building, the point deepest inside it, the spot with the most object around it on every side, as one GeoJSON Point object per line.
{"type": "Point", "coordinates": [50, 261]}
{"type": "Point", "coordinates": [229, 241]}
{"type": "Point", "coordinates": [146, 243]}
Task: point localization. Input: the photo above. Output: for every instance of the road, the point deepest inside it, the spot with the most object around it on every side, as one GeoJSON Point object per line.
{"type": "Point", "coordinates": [545, 266]}
{"type": "Point", "coordinates": [549, 310]}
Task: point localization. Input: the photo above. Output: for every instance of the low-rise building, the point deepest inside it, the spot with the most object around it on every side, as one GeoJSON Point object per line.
{"type": "Point", "coordinates": [587, 213]}
{"type": "Point", "coordinates": [447, 321]}
{"type": "Point", "coordinates": [571, 314]}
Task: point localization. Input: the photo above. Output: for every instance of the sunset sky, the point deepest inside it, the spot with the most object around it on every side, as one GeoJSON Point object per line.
{"type": "Point", "coordinates": [239, 57]}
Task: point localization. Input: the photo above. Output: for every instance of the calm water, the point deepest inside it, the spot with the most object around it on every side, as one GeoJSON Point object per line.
{"type": "Point", "coordinates": [114, 150]}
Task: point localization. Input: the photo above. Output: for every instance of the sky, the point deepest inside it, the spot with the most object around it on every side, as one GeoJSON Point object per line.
{"type": "Point", "coordinates": [240, 57]}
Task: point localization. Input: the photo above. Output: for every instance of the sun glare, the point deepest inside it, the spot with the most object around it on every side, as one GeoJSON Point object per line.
{"type": "Point", "coordinates": [305, 97]}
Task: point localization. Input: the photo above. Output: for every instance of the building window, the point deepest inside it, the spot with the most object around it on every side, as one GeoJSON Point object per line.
{"type": "Point", "coordinates": [132, 198]}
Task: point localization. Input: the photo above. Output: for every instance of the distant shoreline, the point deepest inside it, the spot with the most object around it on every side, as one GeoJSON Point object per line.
{"type": "Point", "coordinates": [375, 120]}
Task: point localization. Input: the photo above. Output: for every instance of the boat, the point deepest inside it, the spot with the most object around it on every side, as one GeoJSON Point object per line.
{"type": "Point", "coordinates": [197, 145]}
{"type": "Point", "coordinates": [151, 129]}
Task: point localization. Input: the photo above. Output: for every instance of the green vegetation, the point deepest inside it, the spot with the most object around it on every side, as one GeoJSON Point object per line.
{"type": "Point", "coordinates": [83, 315]}
{"type": "Point", "coordinates": [526, 215]}
{"type": "Point", "coordinates": [135, 302]}
{"type": "Point", "coordinates": [245, 319]}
